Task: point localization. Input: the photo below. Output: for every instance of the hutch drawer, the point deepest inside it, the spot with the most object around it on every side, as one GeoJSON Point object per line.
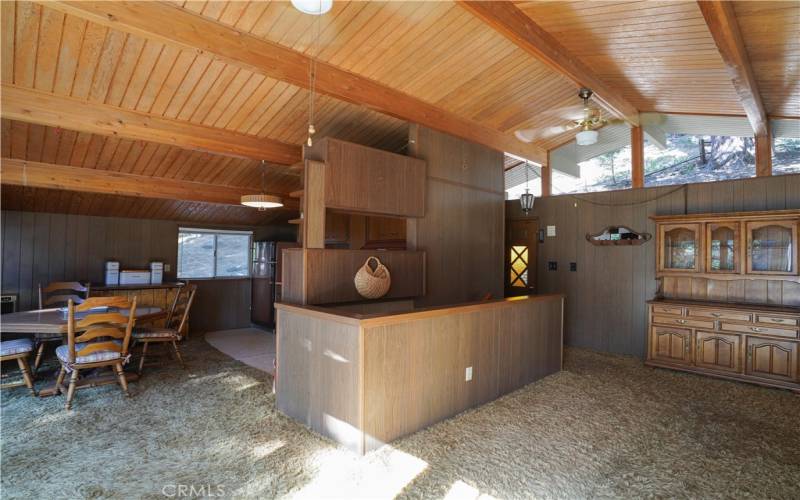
{"type": "Point", "coordinates": [760, 330]}
{"type": "Point", "coordinates": [684, 322]}
{"type": "Point", "coordinates": [776, 320]}
{"type": "Point", "coordinates": [676, 310]}
{"type": "Point", "coordinates": [720, 314]}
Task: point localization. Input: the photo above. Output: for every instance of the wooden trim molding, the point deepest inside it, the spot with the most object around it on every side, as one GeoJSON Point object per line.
{"type": "Point", "coordinates": [176, 26]}
{"type": "Point", "coordinates": [515, 25]}
{"type": "Point", "coordinates": [43, 108]}
{"type": "Point", "coordinates": [52, 176]}
{"type": "Point", "coordinates": [722, 24]}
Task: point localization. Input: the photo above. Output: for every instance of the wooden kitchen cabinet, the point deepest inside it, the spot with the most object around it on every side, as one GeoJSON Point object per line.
{"type": "Point", "coordinates": [772, 247]}
{"type": "Point", "coordinates": [679, 247]}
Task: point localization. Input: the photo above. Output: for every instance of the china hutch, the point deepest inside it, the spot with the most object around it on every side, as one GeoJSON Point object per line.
{"type": "Point", "coordinates": [728, 303]}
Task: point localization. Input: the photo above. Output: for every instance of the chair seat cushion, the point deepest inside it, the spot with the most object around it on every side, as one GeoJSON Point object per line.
{"type": "Point", "coordinates": [155, 333]}
{"type": "Point", "coordinates": [17, 346]}
{"type": "Point", "coordinates": [63, 354]}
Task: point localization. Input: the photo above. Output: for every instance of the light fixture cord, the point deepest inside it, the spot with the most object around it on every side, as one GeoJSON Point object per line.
{"type": "Point", "coordinates": [313, 76]}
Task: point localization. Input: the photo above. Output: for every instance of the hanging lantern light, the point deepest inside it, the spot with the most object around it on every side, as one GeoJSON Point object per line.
{"type": "Point", "coordinates": [526, 199]}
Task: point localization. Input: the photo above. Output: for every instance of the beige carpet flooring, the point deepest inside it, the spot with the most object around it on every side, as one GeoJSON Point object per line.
{"type": "Point", "coordinates": [606, 427]}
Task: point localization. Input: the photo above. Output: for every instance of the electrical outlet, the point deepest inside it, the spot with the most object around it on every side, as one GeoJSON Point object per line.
{"type": "Point", "coordinates": [573, 266]}
{"type": "Point", "coordinates": [167, 268]}
{"type": "Point", "coordinates": [468, 375]}
{"type": "Point", "coordinates": [552, 266]}
{"type": "Point", "coordinates": [551, 231]}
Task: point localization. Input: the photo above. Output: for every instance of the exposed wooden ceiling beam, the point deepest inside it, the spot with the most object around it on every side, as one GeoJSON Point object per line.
{"type": "Point", "coordinates": [176, 26]}
{"type": "Point", "coordinates": [721, 21]}
{"type": "Point", "coordinates": [52, 176]}
{"type": "Point", "coordinates": [66, 112]}
{"type": "Point", "coordinates": [515, 25]}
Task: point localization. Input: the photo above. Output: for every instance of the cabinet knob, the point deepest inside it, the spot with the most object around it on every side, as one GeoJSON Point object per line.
{"type": "Point", "coordinates": [681, 321]}
{"type": "Point", "coordinates": [777, 320]}
{"type": "Point", "coordinates": [756, 329]}
{"type": "Point", "coordinates": [716, 315]}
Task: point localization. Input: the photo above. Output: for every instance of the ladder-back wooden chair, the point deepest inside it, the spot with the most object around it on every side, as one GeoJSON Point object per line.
{"type": "Point", "coordinates": [97, 339]}
{"type": "Point", "coordinates": [19, 349]}
{"type": "Point", "coordinates": [56, 294]}
{"type": "Point", "coordinates": [175, 329]}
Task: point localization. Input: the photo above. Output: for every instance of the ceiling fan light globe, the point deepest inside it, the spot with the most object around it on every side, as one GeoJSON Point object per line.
{"type": "Point", "coordinates": [586, 137]}
{"type": "Point", "coordinates": [525, 135]}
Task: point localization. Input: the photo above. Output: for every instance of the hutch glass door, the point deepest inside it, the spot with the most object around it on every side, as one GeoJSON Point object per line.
{"type": "Point", "coordinates": [723, 248]}
{"type": "Point", "coordinates": [680, 247]}
{"type": "Point", "coordinates": [772, 247]}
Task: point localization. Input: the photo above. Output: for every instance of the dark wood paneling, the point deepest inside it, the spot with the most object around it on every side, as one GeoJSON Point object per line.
{"type": "Point", "coordinates": [605, 308]}
{"type": "Point", "coordinates": [44, 247]}
{"type": "Point", "coordinates": [463, 230]}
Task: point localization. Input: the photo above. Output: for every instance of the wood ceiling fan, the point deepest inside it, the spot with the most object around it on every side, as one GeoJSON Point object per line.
{"type": "Point", "coordinates": [590, 123]}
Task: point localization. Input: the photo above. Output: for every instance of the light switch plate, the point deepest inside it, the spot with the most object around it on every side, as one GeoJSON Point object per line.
{"type": "Point", "coordinates": [167, 267]}
{"type": "Point", "coordinates": [551, 231]}
{"type": "Point", "coordinates": [468, 375]}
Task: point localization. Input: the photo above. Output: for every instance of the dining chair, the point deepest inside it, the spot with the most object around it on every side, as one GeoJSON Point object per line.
{"type": "Point", "coordinates": [56, 294]}
{"type": "Point", "coordinates": [19, 349]}
{"type": "Point", "coordinates": [97, 339]}
{"type": "Point", "coordinates": [175, 328]}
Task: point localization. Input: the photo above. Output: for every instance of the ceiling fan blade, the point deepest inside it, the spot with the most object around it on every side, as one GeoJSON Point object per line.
{"type": "Point", "coordinates": [532, 134]}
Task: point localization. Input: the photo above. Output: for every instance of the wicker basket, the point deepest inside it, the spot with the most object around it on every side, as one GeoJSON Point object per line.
{"type": "Point", "coordinates": [373, 283]}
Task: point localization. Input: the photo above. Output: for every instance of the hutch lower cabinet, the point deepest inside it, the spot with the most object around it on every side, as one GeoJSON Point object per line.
{"type": "Point", "coordinates": [728, 301]}
{"type": "Point", "coordinates": [750, 343]}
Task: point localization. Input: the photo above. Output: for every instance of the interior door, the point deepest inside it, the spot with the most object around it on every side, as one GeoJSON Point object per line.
{"type": "Point", "coordinates": [521, 250]}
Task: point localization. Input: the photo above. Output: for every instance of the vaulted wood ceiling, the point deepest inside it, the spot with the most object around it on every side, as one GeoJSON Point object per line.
{"type": "Point", "coordinates": [659, 56]}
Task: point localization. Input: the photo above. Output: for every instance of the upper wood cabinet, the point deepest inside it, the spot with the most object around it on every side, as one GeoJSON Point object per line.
{"type": "Point", "coordinates": [679, 247]}
{"type": "Point", "coordinates": [366, 180]}
{"type": "Point", "coordinates": [728, 245]}
{"type": "Point", "coordinates": [772, 247]}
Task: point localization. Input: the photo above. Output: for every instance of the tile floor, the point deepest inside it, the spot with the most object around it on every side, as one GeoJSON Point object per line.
{"type": "Point", "coordinates": [252, 346]}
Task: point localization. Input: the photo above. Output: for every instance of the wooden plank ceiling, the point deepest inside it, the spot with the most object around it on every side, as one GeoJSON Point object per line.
{"type": "Point", "coordinates": [659, 56]}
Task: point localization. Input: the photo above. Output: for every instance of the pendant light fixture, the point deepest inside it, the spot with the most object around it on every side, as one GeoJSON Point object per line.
{"type": "Point", "coordinates": [313, 7]}
{"type": "Point", "coordinates": [526, 199]}
{"type": "Point", "coordinates": [312, 70]}
{"type": "Point", "coordinates": [263, 200]}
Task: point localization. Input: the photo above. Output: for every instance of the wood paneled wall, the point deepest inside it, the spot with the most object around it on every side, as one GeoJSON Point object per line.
{"type": "Point", "coordinates": [606, 296]}
{"type": "Point", "coordinates": [43, 247]}
{"type": "Point", "coordinates": [462, 232]}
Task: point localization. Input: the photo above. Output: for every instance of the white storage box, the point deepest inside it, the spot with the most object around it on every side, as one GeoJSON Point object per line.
{"type": "Point", "coordinates": [134, 278]}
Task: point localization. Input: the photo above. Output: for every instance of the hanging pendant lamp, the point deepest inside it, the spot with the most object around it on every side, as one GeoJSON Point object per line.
{"type": "Point", "coordinates": [263, 200]}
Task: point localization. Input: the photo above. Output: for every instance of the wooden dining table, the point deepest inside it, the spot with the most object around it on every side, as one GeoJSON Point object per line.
{"type": "Point", "coordinates": [55, 321]}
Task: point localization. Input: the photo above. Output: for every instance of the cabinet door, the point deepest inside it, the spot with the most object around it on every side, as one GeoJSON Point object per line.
{"type": "Point", "coordinates": [679, 247]}
{"type": "Point", "coordinates": [772, 247]}
{"type": "Point", "coordinates": [722, 247]}
{"type": "Point", "coordinates": [718, 351]}
{"type": "Point", "coordinates": [671, 345]}
{"type": "Point", "coordinates": [772, 359]}
{"type": "Point", "coordinates": [385, 232]}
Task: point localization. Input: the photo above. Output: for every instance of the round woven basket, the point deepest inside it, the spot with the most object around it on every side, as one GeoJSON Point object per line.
{"type": "Point", "coordinates": [373, 283]}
